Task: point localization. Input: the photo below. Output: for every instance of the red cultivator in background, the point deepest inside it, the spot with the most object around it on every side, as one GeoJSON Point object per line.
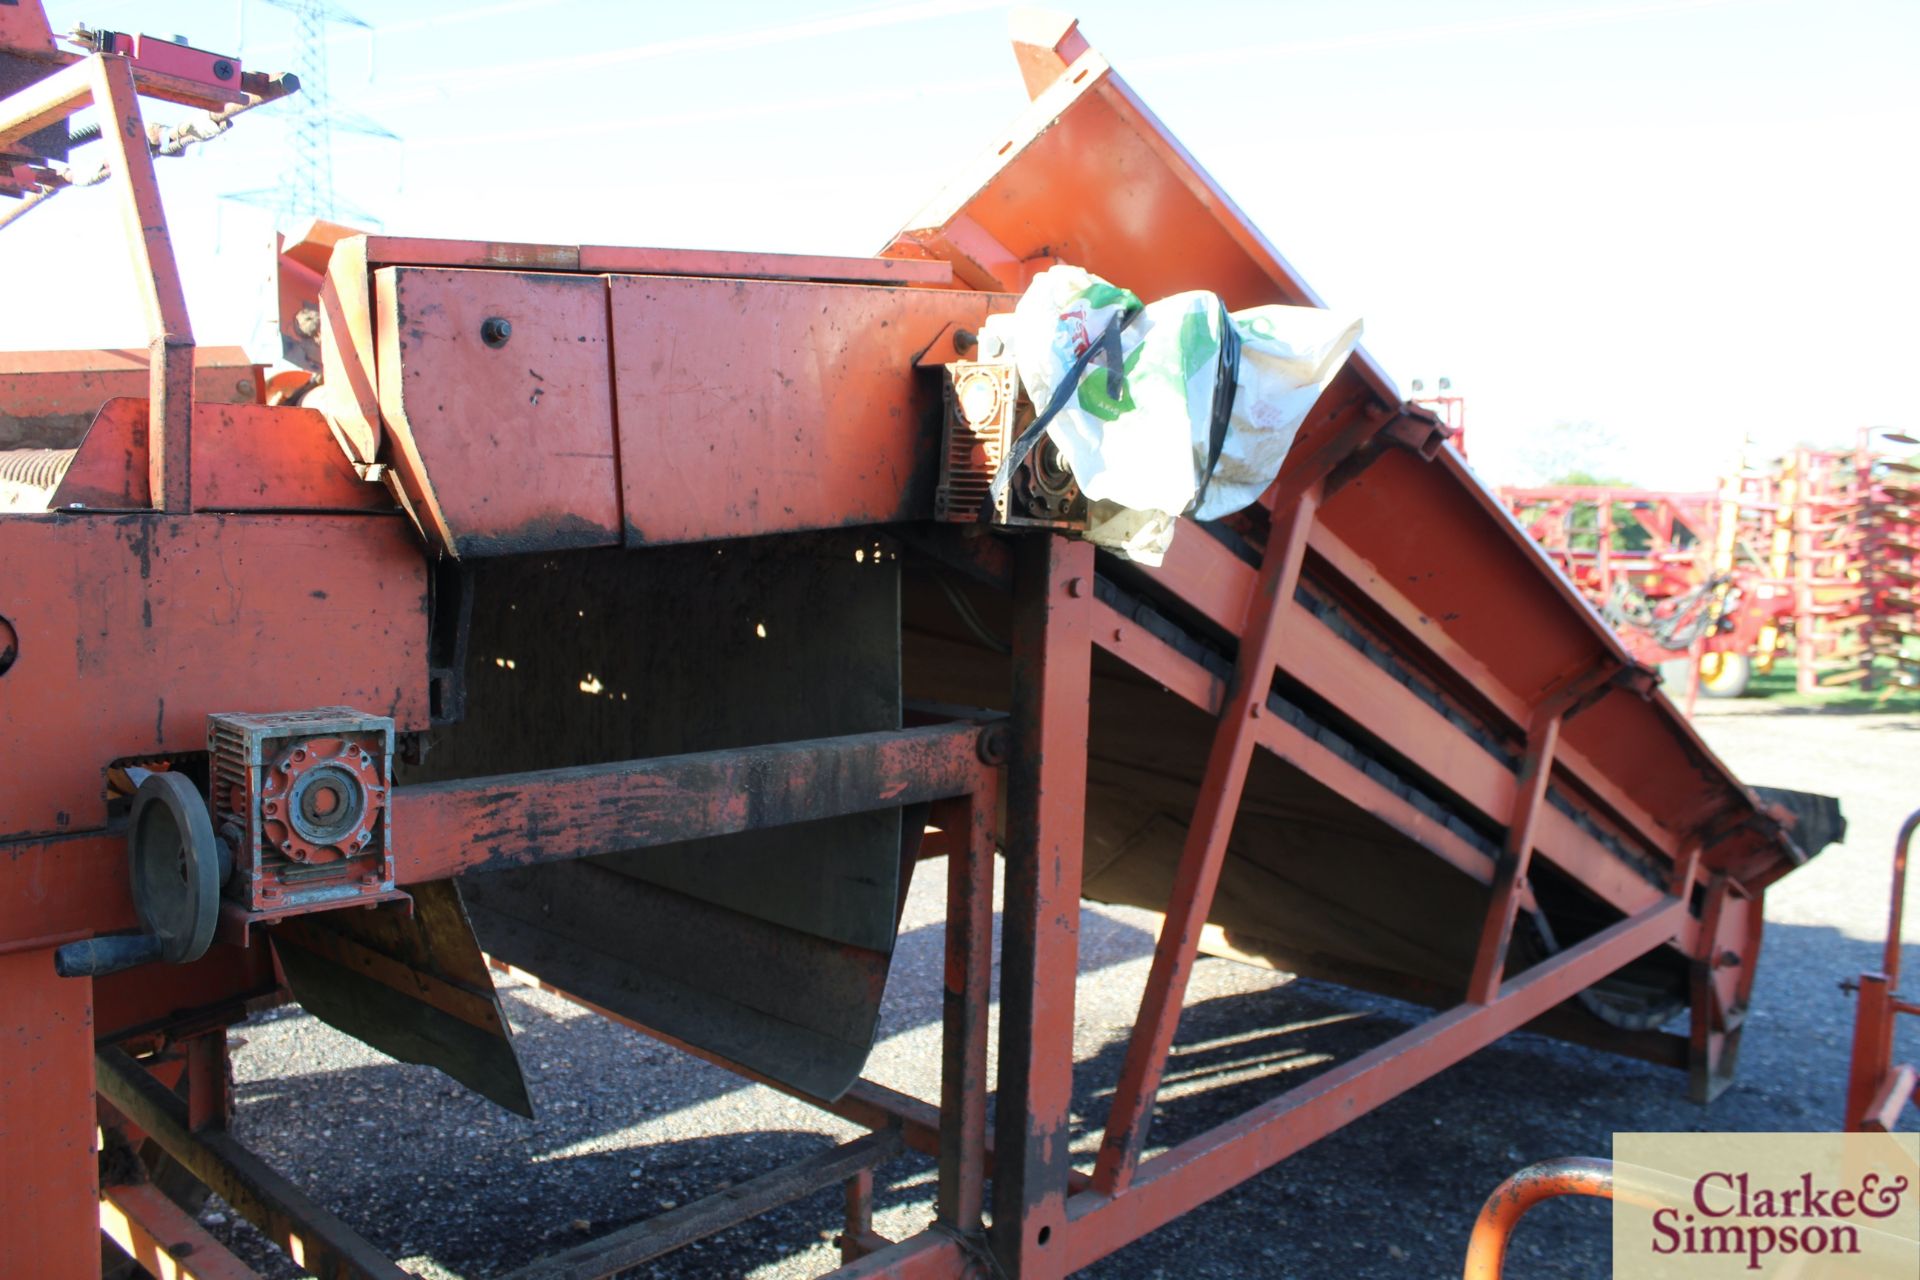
{"type": "Point", "coordinates": [1815, 557]}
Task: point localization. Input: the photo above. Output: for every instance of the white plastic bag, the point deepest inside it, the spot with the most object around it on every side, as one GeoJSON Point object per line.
{"type": "Point", "coordinates": [1141, 455]}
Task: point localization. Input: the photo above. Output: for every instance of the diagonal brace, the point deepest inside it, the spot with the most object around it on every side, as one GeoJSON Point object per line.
{"type": "Point", "coordinates": [1198, 874]}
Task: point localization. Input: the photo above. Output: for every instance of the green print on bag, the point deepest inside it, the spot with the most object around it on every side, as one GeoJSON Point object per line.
{"type": "Point", "coordinates": [1101, 294]}
{"type": "Point", "coordinates": [1093, 388]}
{"type": "Point", "coordinates": [1197, 349]}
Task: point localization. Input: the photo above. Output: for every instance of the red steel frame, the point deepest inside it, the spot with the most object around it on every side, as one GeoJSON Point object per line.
{"type": "Point", "coordinates": [1586, 723]}
{"type": "Point", "coordinates": [1878, 1089]}
{"type": "Point", "coordinates": [108, 82]}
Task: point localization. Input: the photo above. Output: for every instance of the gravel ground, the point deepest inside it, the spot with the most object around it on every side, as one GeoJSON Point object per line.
{"type": "Point", "coordinates": [453, 1187]}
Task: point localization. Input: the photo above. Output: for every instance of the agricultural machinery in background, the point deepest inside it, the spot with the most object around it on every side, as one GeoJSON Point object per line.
{"type": "Point", "coordinates": [1815, 556]}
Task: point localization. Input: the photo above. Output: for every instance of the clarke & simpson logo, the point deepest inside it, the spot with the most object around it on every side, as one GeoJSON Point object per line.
{"type": "Point", "coordinates": [1728, 1215]}
{"type": "Point", "coordinates": [1805, 1205]}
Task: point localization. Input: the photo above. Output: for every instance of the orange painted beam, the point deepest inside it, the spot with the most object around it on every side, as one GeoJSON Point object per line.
{"type": "Point", "coordinates": [48, 1221]}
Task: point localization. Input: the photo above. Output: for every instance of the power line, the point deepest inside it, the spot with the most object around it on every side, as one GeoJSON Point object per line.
{"type": "Point", "coordinates": [305, 188]}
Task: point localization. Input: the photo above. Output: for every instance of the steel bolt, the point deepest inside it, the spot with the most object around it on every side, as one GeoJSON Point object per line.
{"type": "Point", "coordinates": [495, 330]}
{"type": "Point", "coordinates": [1076, 587]}
{"type": "Point", "coordinates": [993, 744]}
{"type": "Point", "coordinates": [222, 69]}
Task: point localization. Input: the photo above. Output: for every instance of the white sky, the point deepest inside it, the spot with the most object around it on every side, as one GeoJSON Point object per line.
{"type": "Point", "coordinates": [1685, 221]}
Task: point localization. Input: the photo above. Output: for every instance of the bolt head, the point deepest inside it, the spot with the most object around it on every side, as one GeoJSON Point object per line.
{"type": "Point", "coordinates": [992, 745]}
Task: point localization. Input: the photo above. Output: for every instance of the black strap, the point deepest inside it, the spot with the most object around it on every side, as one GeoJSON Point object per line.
{"type": "Point", "coordinates": [1104, 351]}
{"type": "Point", "coordinates": [1226, 384]}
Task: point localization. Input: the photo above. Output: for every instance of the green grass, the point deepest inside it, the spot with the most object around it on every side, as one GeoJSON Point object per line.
{"type": "Point", "coordinates": [1776, 688]}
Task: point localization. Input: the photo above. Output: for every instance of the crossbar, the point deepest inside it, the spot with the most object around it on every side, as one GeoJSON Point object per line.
{"type": "Point", "coordinates": [163, 1238]}
{"type": "Point", "coordinates": [631, 1246]}
{"type": "Point", "coordinates": [555, 815]}
{"type": "Point", "coordinates": [1202, 1167]}
{"type": "Point", "coordinates": [312, 1237]}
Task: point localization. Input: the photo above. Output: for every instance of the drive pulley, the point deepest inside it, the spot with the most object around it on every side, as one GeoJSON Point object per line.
{"type": "Point", "coordinates": [177, 866]}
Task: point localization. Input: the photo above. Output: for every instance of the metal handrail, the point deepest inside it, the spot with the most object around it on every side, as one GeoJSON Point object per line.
{"type": "Point", "coordinates": [1568, 1176]}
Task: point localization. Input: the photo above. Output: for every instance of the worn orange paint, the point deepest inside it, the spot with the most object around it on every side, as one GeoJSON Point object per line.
{"type": "Point", "coordinates": [520, 819]}
{"type": "Point", "coordinates": [823, 424]}
{"type": "Point", "coordinates": [133, 628]}
{"type": "Point", "coordinates": [24, 26]}
{"type": "Point", "coordinates": [213, 986]}
{"type": "Point", "coordinates": [350, 389]}
{"type": "Point", "coordinates": [61, 390]}
{"type": "Point", "coordinates": [247, 457]}
{"type": "Point", "coordinates": [63, 888]}
{"type": "Point", "coordinates": [48, 1222]}
{"type": "Point", "coordinates": [499, 448]}
{"type": "Point", "coordinates": [1046, 794]}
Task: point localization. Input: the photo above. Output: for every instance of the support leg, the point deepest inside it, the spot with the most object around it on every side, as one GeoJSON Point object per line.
{"type": "Point", "coordinates": [860, 1239]}
{"type": "Point", "coordinates": [969, 976]}
{"type": "Point", "coordinates": [49, 1177]}
{"type": "Point", "coordinates": [1046, 793]}
{"type": "Point", "coordinates": [169, 332]}
{"type": "Point", "coordinates": [1872, 1060]}
{"type": "Point", "coordinates": [209, 1101]}
{"type": "Point", "coordinates": [1722, 982]}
